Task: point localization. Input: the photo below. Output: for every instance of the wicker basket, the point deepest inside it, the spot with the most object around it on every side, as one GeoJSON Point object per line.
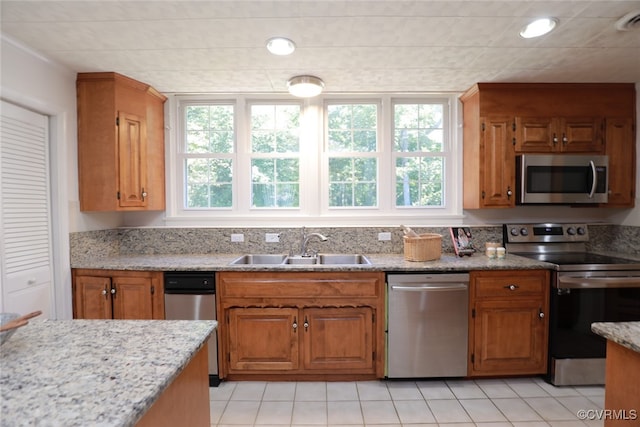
{"type": "Point", "coordinates": [424, 247]}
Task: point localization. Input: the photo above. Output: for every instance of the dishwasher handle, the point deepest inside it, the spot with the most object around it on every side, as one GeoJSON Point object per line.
{"type": "Point", "coordinates": [430, 287]}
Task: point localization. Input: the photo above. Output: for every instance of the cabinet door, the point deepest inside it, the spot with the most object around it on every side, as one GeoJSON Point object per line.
{"type": "Point", "coordinates": [620, 147]}
{"type": "Point", "coordinates": [535, 135]}
{"type": "Point", "coordinates": [132, 298]}
{"type": "Point", "coordinates": [509, 337]}
{"type": "Point", "coordinates": [263, 339]}
{"type": "Point", "coordinates": [92, 297]}
{"type": "Point", "coordinates": [581, 135]}
{"type": "Point", "coordinates": [338, 339]}
{"type": "Point", "coordinates": [497, 168]}
{"type": "Point", "coordinates": [132, 160]}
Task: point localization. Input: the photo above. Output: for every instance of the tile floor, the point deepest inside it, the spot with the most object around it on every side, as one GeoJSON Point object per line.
{"type": "Point", "coordinates": [521, 402]}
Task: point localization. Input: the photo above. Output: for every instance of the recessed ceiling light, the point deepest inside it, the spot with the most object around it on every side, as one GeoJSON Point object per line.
{"type": "Point", "coordinates": [538, 28]}
{"type": "Point", "coordinates": [305, 86]}
{"type": "Point", "coordinates": [280, 46]}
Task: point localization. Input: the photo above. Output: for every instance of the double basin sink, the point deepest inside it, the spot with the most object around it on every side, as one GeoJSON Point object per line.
{"type": "Point", "coordinates": [320, 259]}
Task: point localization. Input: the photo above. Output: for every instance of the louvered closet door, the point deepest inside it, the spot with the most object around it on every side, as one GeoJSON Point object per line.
{"type": "Point", "coordinates": [25, 224]}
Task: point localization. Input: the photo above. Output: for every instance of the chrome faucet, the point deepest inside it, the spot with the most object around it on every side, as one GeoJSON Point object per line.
{"type": "Point", "coordinates": [305, 240]}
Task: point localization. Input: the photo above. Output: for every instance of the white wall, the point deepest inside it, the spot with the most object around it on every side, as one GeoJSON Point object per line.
{"type": "Point", "coordinates": [34, 82]}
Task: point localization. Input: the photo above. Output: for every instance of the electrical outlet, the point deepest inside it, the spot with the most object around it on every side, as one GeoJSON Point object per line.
{"type": "Point", "coordinates": [272, 237]}
{"type": "Point", "coordinates": [384, 236]}
{"type": "Point", "coordinates": [238, 238]}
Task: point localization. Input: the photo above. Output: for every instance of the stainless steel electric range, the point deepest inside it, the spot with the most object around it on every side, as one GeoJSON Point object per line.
{"type": "Point", "coordinates": [585, 288]}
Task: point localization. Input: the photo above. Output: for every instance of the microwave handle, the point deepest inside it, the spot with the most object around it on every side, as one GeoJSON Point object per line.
{"type": "Point", "coordinates": [594, 183]}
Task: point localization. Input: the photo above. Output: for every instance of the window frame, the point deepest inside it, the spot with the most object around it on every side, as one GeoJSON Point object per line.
{"type": "Point", "coordinates": [314, 209]}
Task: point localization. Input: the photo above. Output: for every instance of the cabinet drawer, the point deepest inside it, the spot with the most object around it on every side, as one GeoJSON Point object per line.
{"type": "Point", "coordinates": [509, 284]}
{"type": "Point", "coordinates": [300, 285]}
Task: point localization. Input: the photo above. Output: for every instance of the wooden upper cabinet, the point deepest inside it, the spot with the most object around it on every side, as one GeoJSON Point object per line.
{"type": "Point", "coordinates": [497, 170]}
{"type": "Point", "coordinates": [621, 149]}
{"type": "Point", "coordinates": [501, 120]}
{"type": "Point", "coordinates": [559, 135]}
{"type": "Point", "coordinates": [120, 144]}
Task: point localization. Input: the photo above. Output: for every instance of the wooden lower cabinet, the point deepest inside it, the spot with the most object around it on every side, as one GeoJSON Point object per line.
{"type": "Point", "coordinates": [339, 339]}
{"type": "Point", "coordinates": [302, 325]}
{"type": "Point", "coordinates": [110, 294]}
{"type": "Point", "coordinates": [508, 322]}
{"type": "Point", "coordinates": [263, 339]}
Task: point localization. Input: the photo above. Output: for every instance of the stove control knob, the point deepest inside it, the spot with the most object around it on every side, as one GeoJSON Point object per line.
{"type": "Point", "coordinates": [514, 231]}
{"type": "Point", "coordinates": [582, 231]}
{"type": "Point", "coordinates": [571, 231]}
{"type": "Point", "coordinates": [524, 232]}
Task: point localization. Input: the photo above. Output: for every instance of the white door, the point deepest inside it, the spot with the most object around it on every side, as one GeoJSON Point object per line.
{"type": "Point", "coordinates": [26, 268]}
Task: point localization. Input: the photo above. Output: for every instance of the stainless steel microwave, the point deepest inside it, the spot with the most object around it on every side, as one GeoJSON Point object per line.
{"type": "Point", "coordinates": [561, 179]}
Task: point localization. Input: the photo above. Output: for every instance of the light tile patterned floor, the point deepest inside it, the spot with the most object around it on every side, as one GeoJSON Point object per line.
{"type": "Point", "coordinates": [521, 402]}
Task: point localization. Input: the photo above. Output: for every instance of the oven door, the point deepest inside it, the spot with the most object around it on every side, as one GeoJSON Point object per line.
{"type": "Point", "coordinates": [577, 300]}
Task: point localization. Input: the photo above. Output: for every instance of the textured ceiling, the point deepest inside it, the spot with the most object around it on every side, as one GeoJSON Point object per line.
{"type": "Point", "coordinates": [354, 46]}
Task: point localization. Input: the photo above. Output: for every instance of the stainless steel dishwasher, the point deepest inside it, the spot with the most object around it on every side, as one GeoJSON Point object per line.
{"type": "Point", "coordinates": [192, 296]}
{"type": "Point", "coordinates": [427, 325]}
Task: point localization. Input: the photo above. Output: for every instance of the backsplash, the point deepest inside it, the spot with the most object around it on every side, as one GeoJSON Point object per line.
{"type": "Point", "coordinates": [616, 238]}
{"type": "Point", "coordinates": [156, 241]}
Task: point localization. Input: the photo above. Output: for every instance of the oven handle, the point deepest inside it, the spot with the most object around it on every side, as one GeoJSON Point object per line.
{"type": "Point", "coordinates": [594, 183]}
{"type": "Point", "coordinates": [572, 282]}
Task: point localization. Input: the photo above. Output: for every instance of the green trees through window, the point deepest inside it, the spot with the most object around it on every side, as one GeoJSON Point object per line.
{"type": "Point", "coordinates": [365, 156]}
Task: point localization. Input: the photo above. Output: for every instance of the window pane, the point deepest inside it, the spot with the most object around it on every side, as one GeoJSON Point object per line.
{"type": "Point", "coordinates": [275, 183]}
{"type": "Point", "coordinates": [418, 127]}
{"type": "Point", "coordinates": [352, 182]}
{"type": "Point", "coordinates": [352, 128]}
{"type": "Point", "coordinates": [419, 181]}
{"type": "Point", "coordinates": [209, 129]}
{"type": "Point", "coordinates": [208, 183]}
{"type": "Point", "coordinates": [275, 128]}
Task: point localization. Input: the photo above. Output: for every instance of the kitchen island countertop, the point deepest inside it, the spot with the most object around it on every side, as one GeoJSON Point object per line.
{"type": "Point", "coordinates": [93, 372]}
{"type": "Point", "coordinates": [380, 262]}
{"type": "Point", "coordinates": [627, 334]}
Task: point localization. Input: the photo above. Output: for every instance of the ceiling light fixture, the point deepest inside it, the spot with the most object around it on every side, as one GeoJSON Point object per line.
{"type": "Point", "coordinates": [305, 86]}
{"type": "Point", "coordinates": [538, 28]}
{"type": "Point", "coordinates": [280, 46]}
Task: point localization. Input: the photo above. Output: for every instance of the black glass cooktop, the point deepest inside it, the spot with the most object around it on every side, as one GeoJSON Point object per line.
{"type": "Point", "coordinates": [585, 259]}
{"type": "Point", "coordinates": [562, 258]}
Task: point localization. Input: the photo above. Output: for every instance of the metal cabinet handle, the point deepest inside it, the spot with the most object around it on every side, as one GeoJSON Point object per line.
{"type": "Point", "coordinates": [113, 291]}
{"type": "Point", "coordinates": [144, 194]}
{"type": "Point", "coordinates": [555, 139]}
{"type": "Point", "coordinates": [295, 323]}
{"type": "Point", "coordinates": [509, 192]}
{"type": "Point", "coordinates": [306, 324]}
{"type": "Point", "coordinates": [512, 287]}
{"type": "Point", "coordinates": [541, 313]}
{"type": "Point", "coordinates": [105, 292]}
{"type": "Point", "coordinates": [564, 139]}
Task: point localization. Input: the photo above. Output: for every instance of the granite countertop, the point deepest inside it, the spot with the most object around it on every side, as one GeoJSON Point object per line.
{"type": "Point", "coordinates": [78, 373]}
{"type": "Point", "coordinates": [380, 262]}
{"type": "Point", "coordinates": [626, 334]}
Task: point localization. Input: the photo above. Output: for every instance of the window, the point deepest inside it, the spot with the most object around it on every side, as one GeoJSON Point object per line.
{"type": "Point", "coordinates": [352, 146]}
{"type": "Point", "coordinates": [331, 159]}
{"type": "Point", "coordinates": [418, 145]}
{"type": "Point", "coordinates": [209, 146]}
{"type": "Point", "coordinates": [275, 163]}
